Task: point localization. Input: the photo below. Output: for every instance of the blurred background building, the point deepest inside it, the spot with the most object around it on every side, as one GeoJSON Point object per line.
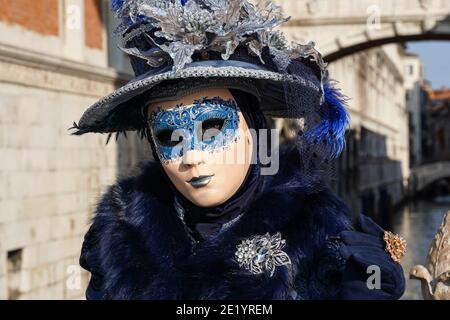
{"type": "Point", "coordinates": [57, 57]}
{"type": "Point", "coordinates": [437, 118]}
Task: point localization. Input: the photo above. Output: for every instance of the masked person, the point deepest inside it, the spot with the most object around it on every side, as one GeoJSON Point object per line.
{"type": "Point", "coordinates": [211, 217]}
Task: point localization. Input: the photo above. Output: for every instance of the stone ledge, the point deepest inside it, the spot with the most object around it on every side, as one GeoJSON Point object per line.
{"type": "Point", "coordinates": [25, 67]}
{"type": "Point", "coordinates": [34, 59]}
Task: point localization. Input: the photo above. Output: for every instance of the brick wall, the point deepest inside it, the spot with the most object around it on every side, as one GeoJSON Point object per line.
{"type": "Point", "coordinates": [93, 24]}
{"type": "Point", "coordinates": [41, 16]}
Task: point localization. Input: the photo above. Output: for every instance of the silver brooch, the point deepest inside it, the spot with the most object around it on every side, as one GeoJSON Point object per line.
{"type": "Point", "coordinates": [261, 254]}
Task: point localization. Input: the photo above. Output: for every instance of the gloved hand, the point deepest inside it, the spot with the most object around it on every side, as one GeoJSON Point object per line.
{"type": "Point", "coordinates": [362, 248]}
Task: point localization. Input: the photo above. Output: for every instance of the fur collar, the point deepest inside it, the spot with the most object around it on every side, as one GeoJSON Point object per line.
{"type": "Point", "coordinates": [146, 253]}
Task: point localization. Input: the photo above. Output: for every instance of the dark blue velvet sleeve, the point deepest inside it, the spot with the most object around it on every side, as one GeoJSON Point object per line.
{"type": "Point", "coordinates": [322, 279]}
{"type": "Point", "coordinates": [362, 248]}
{"type": "Point", "coordinates": [89, 260]}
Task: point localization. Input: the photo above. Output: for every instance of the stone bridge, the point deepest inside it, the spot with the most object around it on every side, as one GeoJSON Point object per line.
{"type": "Point", "coordinates": [424, 175]}
{"type": "Point", "coordinates": [343, 27]}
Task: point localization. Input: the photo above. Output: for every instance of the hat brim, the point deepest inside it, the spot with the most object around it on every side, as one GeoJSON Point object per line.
{"type": "Point", "coordinates": [270, 88]}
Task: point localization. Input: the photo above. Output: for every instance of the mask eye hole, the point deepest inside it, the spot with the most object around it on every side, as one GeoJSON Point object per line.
{"type": "Point", "coordinates": [211, 128]}
{"type": "Point", "coordinates": [164, 138]}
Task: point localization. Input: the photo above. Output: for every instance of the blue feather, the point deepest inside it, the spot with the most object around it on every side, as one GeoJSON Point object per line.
{"type": "Point", "coordinates": [335, 120]}
{"type": "Point", "coordinates": [116, 5]}
{"type": "Point", "coordinates": [183, 2]}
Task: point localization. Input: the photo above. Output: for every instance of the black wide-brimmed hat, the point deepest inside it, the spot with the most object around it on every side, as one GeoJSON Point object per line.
{"type": "Point", "coordinates": [180, 46]}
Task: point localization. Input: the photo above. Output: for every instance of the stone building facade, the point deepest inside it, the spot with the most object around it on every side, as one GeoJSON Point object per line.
{"type": "Point", "coordinates": [53, 64]}
{"type": "Point", "coordinates": [438, 119]}
{"type": "Point", "coordinates": [374, 169]}
{"type": "Point", "coordinates": [416, 100]}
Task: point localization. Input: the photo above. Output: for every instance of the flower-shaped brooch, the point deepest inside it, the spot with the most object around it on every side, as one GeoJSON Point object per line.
{"type": "Point", "coordinates": [262, 253]}
{"type": "Point", "coordinates": [395, 245]}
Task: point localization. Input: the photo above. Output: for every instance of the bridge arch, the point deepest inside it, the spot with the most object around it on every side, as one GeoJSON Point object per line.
{"type": "Point", "coordinates": [424, 175]}
{"type": "Point", "coordinates": [344, 27]}
{"type": "Point", "coordinates": [349, 50]}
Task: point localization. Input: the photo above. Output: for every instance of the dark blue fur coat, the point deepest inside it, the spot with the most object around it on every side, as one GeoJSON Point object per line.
{"type": "Point", "coordinates": [138, 247]}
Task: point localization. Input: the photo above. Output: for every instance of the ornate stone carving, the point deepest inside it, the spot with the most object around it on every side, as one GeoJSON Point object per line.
{"type": "Point", "coordinates": [435, 277]}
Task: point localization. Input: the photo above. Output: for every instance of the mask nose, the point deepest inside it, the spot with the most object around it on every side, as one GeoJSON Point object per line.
{"type": "Point", "coordinates": [193, 157]}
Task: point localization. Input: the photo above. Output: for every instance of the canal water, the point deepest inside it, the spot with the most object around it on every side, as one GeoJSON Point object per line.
{"type": "Point", "coordinates": [418, 223]}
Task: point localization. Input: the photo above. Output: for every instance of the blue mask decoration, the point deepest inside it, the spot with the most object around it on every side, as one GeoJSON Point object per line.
{"type": "Point", "coordinates": [207, 125]}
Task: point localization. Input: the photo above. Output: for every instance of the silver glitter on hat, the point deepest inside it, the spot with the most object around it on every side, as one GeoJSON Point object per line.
{"type": "Point", "coordinates": [217, 25]}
